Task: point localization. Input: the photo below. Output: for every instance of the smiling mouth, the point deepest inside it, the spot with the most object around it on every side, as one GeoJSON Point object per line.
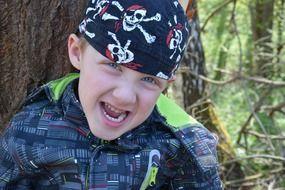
{"type": "Point", "coordinates": [114, 114]}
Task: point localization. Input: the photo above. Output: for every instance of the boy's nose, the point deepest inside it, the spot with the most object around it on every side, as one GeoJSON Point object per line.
{"type": "Point", "coordinates": [125, 94]}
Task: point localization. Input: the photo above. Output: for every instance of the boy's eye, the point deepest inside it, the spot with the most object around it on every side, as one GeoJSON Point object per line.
{"type": "Point", "coordinates": [115, 65]}
{"type": "Point", "coordinates": [150, 80]}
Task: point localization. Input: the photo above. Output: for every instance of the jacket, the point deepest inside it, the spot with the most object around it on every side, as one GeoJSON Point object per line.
{"type": "Point", "coordinates": [48, 146]}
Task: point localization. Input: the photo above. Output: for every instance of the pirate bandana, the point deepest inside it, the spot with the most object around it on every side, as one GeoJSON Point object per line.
{"type": "Point", "coordinates": [144, 35]}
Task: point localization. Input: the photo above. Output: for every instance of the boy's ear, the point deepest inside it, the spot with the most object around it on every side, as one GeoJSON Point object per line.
{"type": "Point", "coordinates": [74, 51]}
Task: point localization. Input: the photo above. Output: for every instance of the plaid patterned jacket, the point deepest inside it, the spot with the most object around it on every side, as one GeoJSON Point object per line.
{"type": "Point", "coordinates": [48, 146]}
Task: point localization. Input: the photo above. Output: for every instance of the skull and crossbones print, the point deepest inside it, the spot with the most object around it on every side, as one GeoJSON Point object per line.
{"type": "Point", "coordinates": [130, 19]}
{"type": "Point", "coordinates": [99, 8]}
{"type": "Point", "coordinates": [134, 16]}
{"type": "Point", "coordinates": [174, 39]}
{"type": "Point", "coordinates": [118, 53]}
{"type": "Point", "coordinates": [82, 28]}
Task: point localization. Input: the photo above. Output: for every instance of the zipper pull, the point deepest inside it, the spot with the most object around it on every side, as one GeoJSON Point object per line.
{"type": "Point", "coordinates": [153, 163]}
{"type": "Point", "coordinates": [153, 173]}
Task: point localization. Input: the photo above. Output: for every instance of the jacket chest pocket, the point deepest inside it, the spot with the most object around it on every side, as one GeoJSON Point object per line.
{"type": "Point", "coordinates": [59, 175]}
{"type": "Point", "coordinates": [124, 170]}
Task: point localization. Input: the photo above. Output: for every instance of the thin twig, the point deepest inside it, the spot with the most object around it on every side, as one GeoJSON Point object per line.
{"type": "Point", "coordinates": [263, 136]}
{"type": "Point", "coordinates": [187, 70]}
{"type": "Point", "coordinates": [265, 81]}
{"type": "Point", "coordinates": [277, 158]}
{"type": "Point", "coordinates": [273, 109]}
{"type": "Point", "coordinates": [254, 109]}
{"type": "Point", "coordinates": [248, 178]}
{"type": "Point", "coordinates": [215, 11]}
{"type": "Point", "coordinates": [237, 76]}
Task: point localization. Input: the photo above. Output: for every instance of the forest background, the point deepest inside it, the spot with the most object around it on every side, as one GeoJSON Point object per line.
{"type": "Point", "coordinates": [232, 77]}
{"type": "Point", "coordinates": [245, 78]}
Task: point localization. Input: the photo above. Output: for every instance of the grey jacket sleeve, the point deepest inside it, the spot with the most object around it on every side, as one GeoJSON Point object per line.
{"type": "Point", "coordinates": [12, 176]}
{"type": "Point", "coordinates": [201, 169]}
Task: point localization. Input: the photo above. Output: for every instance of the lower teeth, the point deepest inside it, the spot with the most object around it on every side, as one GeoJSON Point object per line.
{"type": "Point", "coordinates": [119, 119]}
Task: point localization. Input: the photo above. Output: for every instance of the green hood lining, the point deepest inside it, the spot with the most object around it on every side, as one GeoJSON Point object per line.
{"type": "Point", "coordinates": [58, 86]}
{"type": "Point", "coordinates": [175, 116]}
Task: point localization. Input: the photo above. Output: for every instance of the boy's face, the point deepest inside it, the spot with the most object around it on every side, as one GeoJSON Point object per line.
{"type": "Point", "coordinates": [115, 99]}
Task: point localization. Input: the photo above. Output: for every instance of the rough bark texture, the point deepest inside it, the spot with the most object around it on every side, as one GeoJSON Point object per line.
{"type": "Point", "coordinates": [33, 46]}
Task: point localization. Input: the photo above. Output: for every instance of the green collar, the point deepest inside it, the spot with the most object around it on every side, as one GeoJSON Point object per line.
{"type": "Point", "coordinates": [58, 86]}
{"type": "Point", "coordinates": [174, 114]}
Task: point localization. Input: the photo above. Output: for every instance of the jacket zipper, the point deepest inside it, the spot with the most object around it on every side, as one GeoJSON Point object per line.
{"type": "Point", "coordinates": [153, 164]}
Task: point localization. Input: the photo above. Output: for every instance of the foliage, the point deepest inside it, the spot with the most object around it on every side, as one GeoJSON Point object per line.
{"type": "Point", "coordinates": [251, 105]}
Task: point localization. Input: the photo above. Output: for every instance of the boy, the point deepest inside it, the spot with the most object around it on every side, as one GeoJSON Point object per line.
{"type": "Point", "coordinates": [109, 127]}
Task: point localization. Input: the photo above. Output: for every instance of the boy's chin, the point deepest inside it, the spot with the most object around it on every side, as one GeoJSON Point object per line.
{"type": "Point", "coordinates": [108, 137]}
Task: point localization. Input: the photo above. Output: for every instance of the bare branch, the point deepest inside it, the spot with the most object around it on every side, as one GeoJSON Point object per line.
{"type": "Point", "coordinates": [249, 180]}
{"type": "Point", "coordinates": [276, 158]}
{"type": "Point", "coordinates": [273, 109]}
{"type": "Point", "coordinates": [263, 136]}
{"type": "Point", "coordinates": [215, 11]}
{"type": "Point", "coordinates": [254, 109]}
{"type": "Point", "coordinates": [187, 70]}
{"type": "Point", "coordinates": [265, 81]}
{"type": "Point", "coordinates": [236, 76]}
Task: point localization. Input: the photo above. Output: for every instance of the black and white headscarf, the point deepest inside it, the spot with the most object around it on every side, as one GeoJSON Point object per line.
{"type": "Point", "coordinates": [148, 36]}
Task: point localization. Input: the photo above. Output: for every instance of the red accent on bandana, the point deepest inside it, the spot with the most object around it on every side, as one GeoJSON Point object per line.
{"type": "Point", "coordinates": [135, 7]}
{"type": "Point", "coordinates": [109, 55]}
{"type": "Point", "coordinates": [118, 25]}
{"type": "Point", "coordinates": [104, 10]}
{"type": "Point", "coordinates": [179, 26]}
{"type": "Point", "coordinates": [133, 66]}
{"type": "Point", "coordinates": [169, 37]}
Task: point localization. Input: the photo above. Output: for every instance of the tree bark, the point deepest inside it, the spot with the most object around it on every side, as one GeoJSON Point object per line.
{"type": "Point", "coordinates": [33, 46]}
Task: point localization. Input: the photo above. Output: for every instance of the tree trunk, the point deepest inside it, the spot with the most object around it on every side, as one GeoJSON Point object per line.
{"type": "Point", "coordinates": [261, 26]}
{"type": "Point", "coordinates": [33, 46]}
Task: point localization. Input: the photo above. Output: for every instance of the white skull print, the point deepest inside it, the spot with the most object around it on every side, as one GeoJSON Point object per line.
{"type": "Point", "coordinates": [82, 28]}
{"type": "Point", "coordinates": [133, 17]}
{"type": "Point", "coordinates": [162, 75]}
{"type": "Point", "coordinates": [175, 41]}
{"type": "Point", "coordinates": [99, 7]}
{"type": "Point", "coordinates": [120, 54]}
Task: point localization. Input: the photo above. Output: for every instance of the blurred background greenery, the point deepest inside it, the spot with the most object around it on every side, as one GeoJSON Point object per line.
{"type": "Point", "coordinates": [244, 43]}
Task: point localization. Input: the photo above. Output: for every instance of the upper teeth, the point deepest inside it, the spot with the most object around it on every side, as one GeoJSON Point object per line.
{"type": "Point", "coordinates": [114, 109]}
